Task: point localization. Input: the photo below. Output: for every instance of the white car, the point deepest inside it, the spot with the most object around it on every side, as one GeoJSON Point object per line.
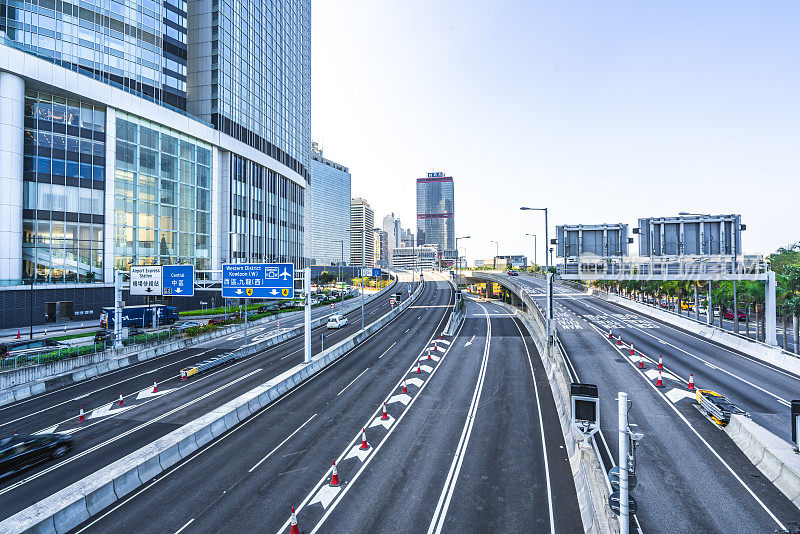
{"type": "Point", "coordinates": [337, 321]}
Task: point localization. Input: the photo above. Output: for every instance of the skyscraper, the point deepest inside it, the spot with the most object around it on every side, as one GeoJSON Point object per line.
{"type": "Point", "coordinates": [328, 221]}
{"type": "Point", "coordinates": [362, 228]}
{"type": "Point", "coordinates": [148, 133]}
{"type": "Point", "coordinates": [435, 212]}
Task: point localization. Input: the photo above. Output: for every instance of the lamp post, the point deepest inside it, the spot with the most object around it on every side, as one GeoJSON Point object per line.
{"type": "Point", "coordinates": [457, 259]}
{"type": "Point", "coordinates": [496, 253]}
{"type": "Point", "coordinates": [340, 270]}
{"type": "Point", "coordinates": [549, 278]}
{"type": "Point", "coordinates": [534, 249]}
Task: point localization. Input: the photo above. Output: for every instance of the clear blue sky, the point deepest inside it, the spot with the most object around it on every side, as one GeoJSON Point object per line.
{"type": "Point", "coordinates": [602, 111]}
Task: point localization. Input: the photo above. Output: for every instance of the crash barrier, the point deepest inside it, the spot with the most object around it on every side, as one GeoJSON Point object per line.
{"type": "Point", "coordinates": [456, 315]}
{"type": "Point", "coordinates": [774, 457]}
{"type": "Point", "coordinates": [750, 347]}
{"type": "Point", "coordinates": [587, 471]}
{"type": "Point", "coordinates": [29, 381]}
{"type": "Point", "coordinates": [68, 508]}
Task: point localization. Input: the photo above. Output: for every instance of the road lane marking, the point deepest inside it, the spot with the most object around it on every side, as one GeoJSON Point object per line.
{"type": "Point", "coordinates": [387, 350]}
{"type": "Point", "coordinates": [184, 526]}
{"type": "Point", "coordinates": [351, 382]}
{"type": "Point", "coordinates": [439, 515]}
{"type": "Point", "coordinates": [281, 444]}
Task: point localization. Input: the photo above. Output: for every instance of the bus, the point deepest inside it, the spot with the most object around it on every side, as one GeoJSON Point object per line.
{"type": "Point", "coordinates": [140, 316]}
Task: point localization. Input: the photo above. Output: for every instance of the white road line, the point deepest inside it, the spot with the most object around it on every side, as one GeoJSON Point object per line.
{"type": "Point", "coordinates": [122, 435]}
{"type": "Point", "coordinates": [387, 350]}
{"type": "Point", "coordinates": [281, 444]}
{"type": "Point", "coordinates": [541, 429]}
{"type": "Point", "coordinates": [351, 382]}
{"type": "Point", "coordinates": [439, 515]}
{"type": "Point", "coordinates": [184, 526]}
{"type": "Point", "coordinates": [696, 433]}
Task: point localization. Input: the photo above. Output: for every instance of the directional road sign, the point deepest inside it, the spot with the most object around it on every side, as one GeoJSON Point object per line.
{"type": "Point", "coordinates": [376, 272]}
{"type": "Point", "coordinates": [258, 280]}
{"type": "Point", "coordinates": [614, 501]}
{"type": "Point", "coordinates": [177, 280]}
{"type": "Point", "coordinates": [145, 280]}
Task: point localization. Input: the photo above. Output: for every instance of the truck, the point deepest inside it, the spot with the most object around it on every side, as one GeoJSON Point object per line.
{"type": "Point", "coordinates": [140, 316]}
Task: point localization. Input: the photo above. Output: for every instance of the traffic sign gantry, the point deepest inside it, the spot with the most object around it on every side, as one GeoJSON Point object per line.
{"type": "Point", "coordinates": [258, 280]}
{"type": "Point", "coordinates": [177, 280]}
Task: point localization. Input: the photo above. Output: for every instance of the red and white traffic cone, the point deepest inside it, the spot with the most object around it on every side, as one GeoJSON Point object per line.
{"type": "Point", "coordinates": [335, 476]}
{"type": "Point", "coordinates": [121, 402]}
{"type": "Point", "coordinates": [16, 433]}
{"type": "Point", "coordinates": [660, 363]}
{"type": "Point", "coordinates": [384, 415]}
{"type": "Point", "coordinates": [294, 529]}
{"type": "Point", "coordinates": [691, 382]}
{"type": "Point", "coordinates": [610, 335]}
{"type": "Point", "coordinates": [155, 386]}
{"type": "Point", "coordinates": [405, 389]}
{"type": "Point", "coordinates": [81, 416]}
{"type": "Point", "coordinates": [429, 354]}
{"type": "Point", "coordinates": [619, 339]}
{"type": "Point", "coordinates": [659, 383]}
{"type": "Point", "coordinates": [18, 334]}
{"type": "Point", "coordinates": [419, 371]}
{"type": "Point", "coordinates": [632, 351]}
{"type": "Point", "coordinates": [364, 444]}
{"type": "Point", "coordinates": [441, 336]}
{"type": "Point", "coordinates": [183, 375]}
{"type": "Point", "coordinates": [641, 361]}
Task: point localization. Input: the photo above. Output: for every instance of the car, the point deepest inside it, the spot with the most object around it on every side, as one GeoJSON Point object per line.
{"type": "Point", "coordinates": [512, 273]}
{"type": "Point", "coordinates": [336, 321]}
{"type": "Point", "coordinates": [133, 332]}
{"type": "Point", "coordinates": [183, 326]}
{"type": "Point", "coordinates": [20, 452]}
{"type": "Point", "coordinates": [729, 315]}
{"type": "Point", "coordinates": [268, 308]}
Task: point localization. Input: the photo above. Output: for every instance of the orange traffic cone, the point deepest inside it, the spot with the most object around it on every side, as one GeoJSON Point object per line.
{"type": "Point", "coordinates": [429, 354]}
{"type": "Point", "coordinates": [17, 334]}
{"type": "Point", "coordinates": [81, 416]}
{"type": "Point", "coordinates": [155, 386]}
{"type": "Point", "coordinates": [660, 363]}
{"type": "Point", "coordinates": [405, 389]}
{"type": "Point", "coordinates": [419, 371]}
{"type": "Point", "coordinates": [121, 402]}
{"type": "Point", "coordinates": [632, 351]}
{"type": "Point", "coordinates": [610, 335]}
{"type": "Point", "coordinates": [335, 476]}
{"type": "Point", "coordinates": [364, 444]}
{"type": "Point", "coordinates": [294, 529]}
{"type": "Point", "coordinates": [691, 382]}
{"type": "Point", "coordinates": [384, 415]}
{"type": "Point", "coordinates": [641, 361]}
{"type": "Point", "coordinates": [659, 383]}
{"type": "Point", "coordinates": [619, 339]}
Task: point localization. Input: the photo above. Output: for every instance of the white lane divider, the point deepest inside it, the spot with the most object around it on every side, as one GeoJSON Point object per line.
{"type": "Point", "coordinates": [351, 382]}
{"type": "Point", "coordinates": [439, 515]}
{"type": "Point", "coordinates": [281, 444]}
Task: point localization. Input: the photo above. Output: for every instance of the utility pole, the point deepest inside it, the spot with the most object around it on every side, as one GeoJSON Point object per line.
{"type": "Point", "coordinates": [341, 281]}
{"type": "Point", "coordinates": [361, 274]}
{"type": "Point", "coordinates": [624, 500]}
{"type": "Point", "coordinates": [307, 330]}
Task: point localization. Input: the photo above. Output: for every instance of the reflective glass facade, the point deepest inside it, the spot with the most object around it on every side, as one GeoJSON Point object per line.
{"type": "Point", "coordinates": [162, 196]}
{"type": "Point", "coordinates": [139, 46]}
{"type": "Point", "coordinates": [435, 212]}
{"type": "Point", "coordinates": [266, 215]}
{"type": "Point", "coordinates": [329, 197]}
{"type": "Point", "coordinates": [257, 87]}
{"type": "Point", "coordinates": [63, 190]}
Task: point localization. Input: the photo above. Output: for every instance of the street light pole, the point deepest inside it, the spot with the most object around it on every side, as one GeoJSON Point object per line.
{"type": "Point", "coordinates": [458, 267]}
{"type": "Point", "coordinates": [534, 249]}
{"type": "Point", "coordinates": [496, 253]}
{"type": "Point", "coordinates": [549, 277]}
{"type": "Point", "coordinates": [361, 274]}
{"type": "Point", "coordinates": [341, 281]}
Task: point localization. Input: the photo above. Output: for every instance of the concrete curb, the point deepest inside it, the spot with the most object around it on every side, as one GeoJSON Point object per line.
{"type": "Point", "coordinates": [774, 457]}
{"type": "Point", "coordinates": [26, 382]}
{"type": "Point", "coordinates": [771, 355]}
{"type": "Point", "coordinates": [68, 508]}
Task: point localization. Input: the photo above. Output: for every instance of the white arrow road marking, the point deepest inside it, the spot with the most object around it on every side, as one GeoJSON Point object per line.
{"type": "Point", "coordinates": [440, 349]}
{"type": "Point", "coordinates": [356, 452]}
{"type": "Point", "coordinates": [49, 430]}
{"type": "Point", "coordinates": [425, 368]}
{"type": "Point", "coordinates": [380, 422]}
{"type": "Point", "coordinates": [468, 343]}
{"type": "Point", "coordinates": [402, 397]}
{"type": "Point", "coordinates": [325, 495]}
{"type": "Point", "coordinates": [414, 382]}
{"type": "Point", "coordinates": [676, 395]}
{"type": "Point", "coordinates": [433, 358]}
{"type": "Point", "coordinates": [147, 393]}
{"type": "Point", "coordinates": [652, 374]}
{"type": "Point", "coordinates": [105, 411]}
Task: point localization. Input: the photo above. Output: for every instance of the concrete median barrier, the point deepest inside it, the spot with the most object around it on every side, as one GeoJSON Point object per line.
{"type": "Point", "coordinates": [73, 505]}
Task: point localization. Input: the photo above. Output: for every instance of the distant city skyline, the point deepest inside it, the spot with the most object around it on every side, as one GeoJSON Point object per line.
{"type": "Point", "coordinates": [604, 113]}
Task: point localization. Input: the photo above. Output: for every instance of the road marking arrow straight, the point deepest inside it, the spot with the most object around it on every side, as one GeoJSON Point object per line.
{"type": "Point", "coordinates": [147, 393]}
{"type": "Point", "coordinates": [468, 343]}
{"type": "Point", "coordinates": [356, 452]}
{"type": "Point", "coordinates": [325, 495]}
{"type": "Point", "coordinates": [105, 411]}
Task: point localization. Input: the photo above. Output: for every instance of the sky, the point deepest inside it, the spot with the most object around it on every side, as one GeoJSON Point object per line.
{"type": "Point", "coordinates": [603, 112]}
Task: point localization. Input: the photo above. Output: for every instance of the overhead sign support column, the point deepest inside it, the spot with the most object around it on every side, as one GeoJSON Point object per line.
{"type": "Point", "coordinates": [307, 285]}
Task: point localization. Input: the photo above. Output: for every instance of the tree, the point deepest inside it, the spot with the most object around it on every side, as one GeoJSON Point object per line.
{"type": "Point", "coordinates": [325, 278]}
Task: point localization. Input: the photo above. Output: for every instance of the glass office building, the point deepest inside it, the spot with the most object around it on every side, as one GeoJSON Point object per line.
{"type": "Point", "coordinates": [435, 212]}
{"type": "Point", "coordinates": [328, 231]}
{"type": "Point", "coordinates": [142, 132]}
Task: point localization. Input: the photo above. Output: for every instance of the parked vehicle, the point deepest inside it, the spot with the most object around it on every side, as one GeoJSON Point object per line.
{"type": "Point", "coordinates": [20, 452]}
{"type": "Point", "coordinates": [336, 321]}
{"type": "Point", "coordinates": [512, 273]}
{"type": "Point", "coordinates": [729, 315]}
{"type": "Point", "coordinates": [141, 316]}
{"type": "Point", "coordinates": [183, 326]}
{"type": "Point", "coordinates": [269, 307]}
{"type": "Point", "coordinates": [21, 346]}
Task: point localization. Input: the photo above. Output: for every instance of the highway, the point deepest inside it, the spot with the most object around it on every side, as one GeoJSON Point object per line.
{"type": "Point", "coordinates": [470, 447]}
{"type": "Point", "coordinates": [690, 473]}
{"type": "Point", "coordinates": [111, 431]}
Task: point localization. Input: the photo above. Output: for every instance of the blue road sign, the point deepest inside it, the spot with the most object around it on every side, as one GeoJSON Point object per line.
{"type": "Point", "coordinates": [376, 272]}
{"type": "Point", "coordinates": [258, 280]}
{"type": "Point", "coordinates": [177, 280]}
